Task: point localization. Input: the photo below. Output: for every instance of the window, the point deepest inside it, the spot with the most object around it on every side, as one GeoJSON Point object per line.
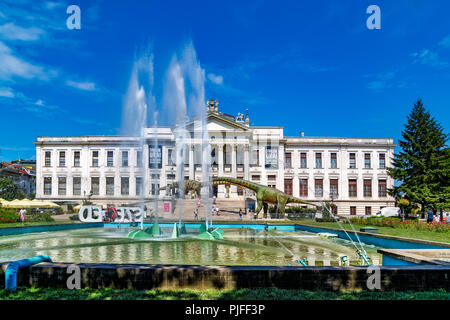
{"type": "Point", "coordinates": [382, 190]}
{"type": "Point", "coordinates": [367, 161]}
{"type": "Point", "coordinates": [139, 190]}
{"type": "Point", "coordinates": [124, 158]}
{"type": "Point", "coordinates": [139, 159]}
{"type": "Point", "coordinates": [256, 177]}
{"type": "Point", "coordinates": [352, 188]}
{"type": "Point", "coordinates": [61, 186]}
{"type": "Point", "coordinates": [155, 176]}
{"type": "Point", "coordinates": [171, 176]}
{"type": "Point", "coordinates": [271, 177]}
{"type": "Point", "coordinates": [170, 157]}
{"type": "Point", "coordinates": [382, 161]}
{"type": "Point", "coordinates": [124, 186]}
{"type": "Point", "coordinates": [95, 158]}
{"type": "Point", "coordinates": [303, 163]}
{"type": "Point", "coordinates": [352, 161]}
{"type": "Point", "coordinates": [353, 211]}
{"type": "Point", "coordinates": [95, 185]}
{"type": "Point", "coordinates": [110, 159]}
{"type": "Point", "coordinates": [110, 186]}
{"type": "Point", "coordinates": [288, 186]}
{"type": "Point", "coordinates": [334, 210]}
{"type": "Point", "coordinates": [76, 158]}
{"type": "Point", "coordinates": [48, 158]}
{"type": "Point", "coordinates": [367, 188]}
{"type": "Point", "coordinates": [47, 186]}
{"type": "Point", "coordinates": [333, 163]}
{"type": "Point", "coordinates": [255, 158]}
{"type": "Point", "coordinates": [155, 189]}
{"type": "Point", "coordinates": [240, 191]}
{"type": "Point", "coordinates": [62, 158]}
{"type": "Point", "coordinates": [303, 187]}
{"type": "Point", "coordinates": [334, 188]}
{"type": "Point", "coordinates": [318, 160]}
{"type": "Point", "coordinates": [288, 160]}
{"type": "Point", "coordinates": [318, 188]}
{"type": "Point", "coordinates": [76, 186]}
{"type": "Point", "coordinates": [368, 211]}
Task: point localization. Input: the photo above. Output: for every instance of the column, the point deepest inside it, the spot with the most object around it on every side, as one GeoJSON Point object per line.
{"type": "Point", "coordinates": [233, 189]}
{"type": "Point", "coordinates": [220, 188]}
{"type": "Point", "coordinates": [246, 162]}
{"type": "Point", "coordinates": [191, 162]}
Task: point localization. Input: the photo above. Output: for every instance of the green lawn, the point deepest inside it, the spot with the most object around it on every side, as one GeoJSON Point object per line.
{"type": "Point", "coordinates": [405, 233]}
{"type": "Point", "coordinates": [211, 294]}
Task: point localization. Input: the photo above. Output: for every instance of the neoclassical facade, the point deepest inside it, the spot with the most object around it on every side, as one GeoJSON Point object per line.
{"type": "Point", "coordinates": [122, 169]}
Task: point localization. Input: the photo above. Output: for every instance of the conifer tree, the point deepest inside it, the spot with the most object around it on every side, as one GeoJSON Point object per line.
{"type": "Point", "coordinates": [422, 165]}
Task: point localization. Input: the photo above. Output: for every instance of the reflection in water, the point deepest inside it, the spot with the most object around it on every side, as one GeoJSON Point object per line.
{"type": "Point", "coordinates": [239, 247]}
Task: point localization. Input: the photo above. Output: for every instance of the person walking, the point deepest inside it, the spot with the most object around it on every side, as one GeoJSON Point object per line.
{"type": "Point", "coordinates": [430, 216]}
{"type": "Point", "coordinates": [22, 213]}
{"type": "Point", "coordinates": [196, 214]}
{"type": "Point", "coordinates": [217, 211]}
{"type": "Point", "coordinates": [240, 214]}
{"type": "Point", "coordinates": [214, 199]}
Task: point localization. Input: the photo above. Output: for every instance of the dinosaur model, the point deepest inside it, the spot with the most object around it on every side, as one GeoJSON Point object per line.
{"type": "Point", "coordinates": [264, 194]}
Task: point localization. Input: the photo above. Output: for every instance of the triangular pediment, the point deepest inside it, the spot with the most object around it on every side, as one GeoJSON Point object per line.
{"type": "Point", "coordinates": [218, 123]}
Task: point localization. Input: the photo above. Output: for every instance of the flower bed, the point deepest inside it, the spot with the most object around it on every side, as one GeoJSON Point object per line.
{"type": "Point", "coordinates": [12, 216]}
{"type": "Point", "coordinates": [398, 223]}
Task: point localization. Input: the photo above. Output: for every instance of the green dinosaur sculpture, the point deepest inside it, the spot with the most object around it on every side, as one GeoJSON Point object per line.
{"type": "Point", "coordinates": [264, 194]}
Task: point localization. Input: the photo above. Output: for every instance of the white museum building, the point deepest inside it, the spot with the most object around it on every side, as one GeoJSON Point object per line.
{"type": "Point", "coordinates": [351, 172]}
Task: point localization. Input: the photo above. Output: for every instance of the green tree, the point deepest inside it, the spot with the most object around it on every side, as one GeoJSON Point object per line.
{"type": "Point", "coordinates": [423, 162]}
{"type": "Point", "coordinates": [9, 190]}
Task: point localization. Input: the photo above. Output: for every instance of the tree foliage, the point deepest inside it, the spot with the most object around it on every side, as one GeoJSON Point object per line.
{"type": "Point", "coordinates": [422, 166]}
{"type": "Point", "coordinates": [9, 190]}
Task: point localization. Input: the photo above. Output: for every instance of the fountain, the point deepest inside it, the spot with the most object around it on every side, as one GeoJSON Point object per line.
{"type": "Point", "coordinates": [183, 94]}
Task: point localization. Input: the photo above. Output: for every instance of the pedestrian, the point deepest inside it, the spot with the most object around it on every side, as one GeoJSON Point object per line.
{"type": "Point", "coordinates": [199, 202]}
{"type": "Point", "coordinates": [133, 219]}
{"type": "Point", "coordinates": [430, 216]}
{"type": "Point", "coordinates": [437, 218]}
{"type": "Point", "coordinates": [22, 213]}
{"type": "Point", "coordinates": [217, 211]}
{"type": "Point", "coordinates": [240, 214]}
{"type": "Point", "coordinates": [212, 211]}
{"type": "Point", "coordinates": [196, 214]}
{"type": "Point", "coordinates": [447, 218]}
{"type": "Point", "coordinates": [214, 199]}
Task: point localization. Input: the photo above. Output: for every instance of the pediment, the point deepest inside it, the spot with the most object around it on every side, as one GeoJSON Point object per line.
{"type": "Point", "coordinates": [217, 123]}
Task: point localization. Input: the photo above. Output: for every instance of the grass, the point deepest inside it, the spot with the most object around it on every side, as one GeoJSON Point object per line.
{"type": "Point", "coordinates": [405, 233]}
{"type": "Point", "coordinates": [215, 294]}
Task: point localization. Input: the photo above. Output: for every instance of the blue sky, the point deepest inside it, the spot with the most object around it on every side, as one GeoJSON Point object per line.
{"type": "Point", "coordinates": [310, 66]}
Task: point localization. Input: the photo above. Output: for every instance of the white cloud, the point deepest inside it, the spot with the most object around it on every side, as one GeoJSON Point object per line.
{"type": "Point", "coordinates": [6, 92]}
{"type": "Point", "coordinates": [13, 66]}
{"type": "Point", "coordinates": [428, 57]}
{"type": "Point", "coordinates": [10, 31]}
{"type": "Point", "coordinates": [87, 86]}
{"type": "Point", "coordinates": [217, 79]}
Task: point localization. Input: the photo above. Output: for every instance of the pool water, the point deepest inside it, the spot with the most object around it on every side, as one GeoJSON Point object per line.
{"type": "Point", "coordinates": [241, 246]}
